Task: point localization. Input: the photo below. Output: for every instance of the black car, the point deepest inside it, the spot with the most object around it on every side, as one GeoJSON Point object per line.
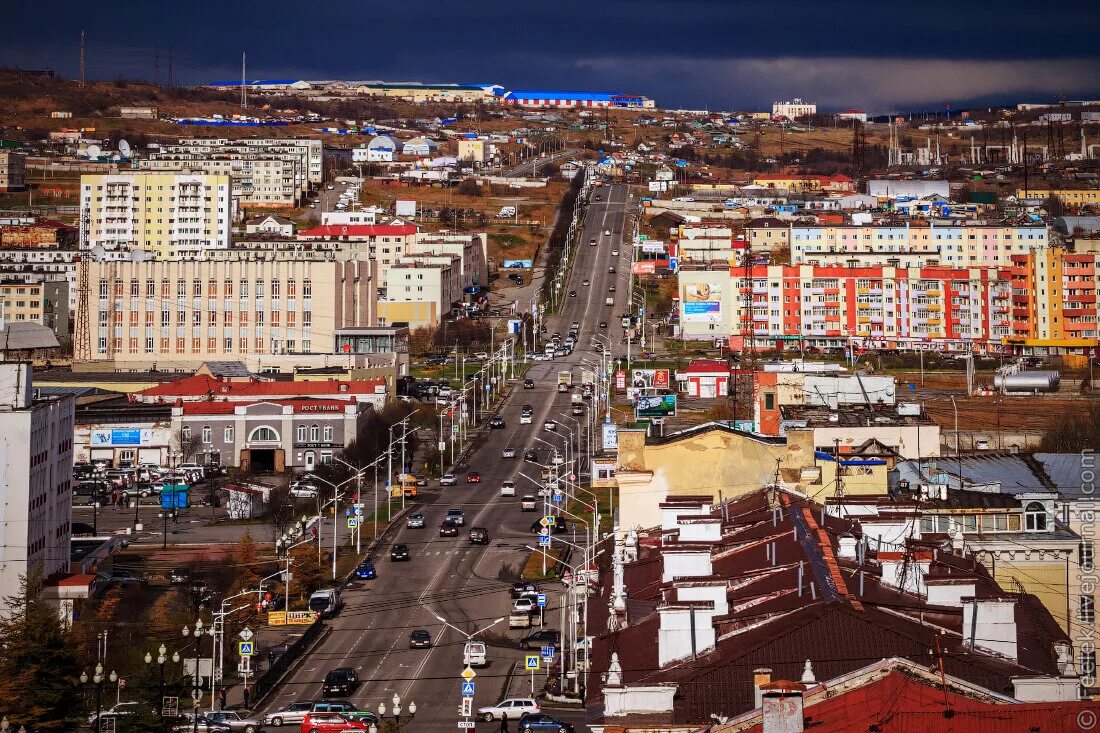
{"type": "Point", "coordinates": [448, 529]}
{"type": "Point", "coordinates": [479, 536]}
{"type": "Point", "coordinates": [541, 638]}
{"type": "Point", "coordinates": [572, 293]}
{"type": "Point", "coordinates": [603, 324]}
{"type": "Point", "coordinates": [522, 588]}
{"type": "Point", "coordinates": [420, 639]}
{"type": "Point", "coordinates": [340, 682]}
{"type": "Point", "coordinates": [528, 384]}
{"type": "Point", "coordinates": [399, 552]}
{"type": "Point", "coordinates": [531, 456]}
{"type": "Point", "coordinates": [496, 422]}
{"type": "Point", "coordinates": [543, 723]}
{"type": "Point", "coordinates": [559, 526]}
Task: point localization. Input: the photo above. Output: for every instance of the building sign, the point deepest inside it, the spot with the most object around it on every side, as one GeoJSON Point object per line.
{"type": "Point", "coordinates": [610, 433]}
{"type": "Point", "coordinates": [702, 302]}
{"type": "Point", "coordinates": [121, 436]}
{"type": "Point", "coordinates": [292, 618]}
{"type": "Point", "coordinates": [336, 407]}
{"type": "Point", "coordinates": [644, 267]}
{"type": "Point", "coordinates": [318, 445]}
{"type": "Point", "coordinates": [655, 405]}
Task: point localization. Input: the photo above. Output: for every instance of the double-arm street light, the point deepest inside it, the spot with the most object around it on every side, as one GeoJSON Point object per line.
{"type": "Point", "coordinates": [283, 545]}
{"type": "Point", "coordinates": [396, 714]}
{"type": "Point", "coordinates": [196, 690]}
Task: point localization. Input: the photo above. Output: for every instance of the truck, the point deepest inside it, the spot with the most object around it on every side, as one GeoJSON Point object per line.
{"type": "Point", "coordinates": [588, 376]}
{"type": "Point", "coordinates": [565, 380]}
{"type": "Point", "coordinates": [576, 398]}
{"type": "Point", "coordinates": [609, 301]}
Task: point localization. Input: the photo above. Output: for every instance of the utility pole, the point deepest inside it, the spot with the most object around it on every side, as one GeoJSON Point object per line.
{"type": "Point", "coordinates": [81, 59]}
{"type": "Point", "coordinates": [244, 85]}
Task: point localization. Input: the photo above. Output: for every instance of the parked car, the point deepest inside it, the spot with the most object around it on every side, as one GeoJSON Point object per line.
{"type": "Point", "coordinates": [513, 708]}
{"type": "Point", "coordinates": [420, 639]}
{"type": "Point", "coordinates": [448, 479]}
{"type": "Point", "coordinates": [296, 712]}
{"type": "Point", "coordinates": [178, 576]}
{"type": "Point", "coordinates": [231, 720]}
{"type": "Point", "coordinates": [541, 638]}
{"type": "Point", "coordinates": [303, 490]}
{"type": "Point", "coordinates": [340, 682]}
{"type": "Point", "coordinates": [291, 713]}
{"type": "Point", "coordinates": [399, 553]}
{"type": "Point", "coordinates": [415, 521]}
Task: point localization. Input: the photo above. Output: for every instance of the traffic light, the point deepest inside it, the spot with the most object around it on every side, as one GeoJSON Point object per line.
{"type": "Point", "coordinates": [467, 707]}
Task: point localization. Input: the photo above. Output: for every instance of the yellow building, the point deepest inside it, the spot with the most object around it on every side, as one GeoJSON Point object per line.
{"type": "Point", "coordinates": [1068, 196]}
{"type": "Point", "coordinates": [171, 214]}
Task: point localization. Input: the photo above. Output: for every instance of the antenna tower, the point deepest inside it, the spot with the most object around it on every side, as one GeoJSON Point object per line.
{"type": "Point", "coordinates": [171, 80]}
{"type": "Point", "coordinates": [244, 87]}
{"type": "Point", "coordinates": [747, 366]}
{"type": "Point", "coordinates": [82, 340]}
{"type": "Point", "coordinates": [859, 149]}
{"type": "Point", "coordinates": [81, 59]}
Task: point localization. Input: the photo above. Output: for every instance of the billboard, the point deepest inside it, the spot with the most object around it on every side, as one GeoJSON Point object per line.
{"type": "Point", "coordinates": [649, 378]}
{"type": "Point", "coordinates": [644, 267]}
{"type": "Point", "coordinates": [527, 264]}
{"type": "Point", "coordinates": [124, 436]}
{"type": "Point", "coordinates": [658, 247]}
{"type": "Point", "coordinates": [405, 208]}
{"type": "Point", "coordinates": [655, 405]}
{"type": "Point", "coordinates": [701, 302]}
{"type": "Point", "coordinates": [610, 437]}
{"type": "Point", "coordinates": [620, 379]}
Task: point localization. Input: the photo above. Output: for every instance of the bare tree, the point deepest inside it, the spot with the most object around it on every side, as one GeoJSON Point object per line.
{"type": "Point", "coordinates": [189, 442]}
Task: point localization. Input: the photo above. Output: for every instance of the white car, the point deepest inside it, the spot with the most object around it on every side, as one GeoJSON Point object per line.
{"type": "Point", "coordinates": [302, 490]}
{"type": "Point", "coordinates": [511, 709]}
{"type": "Point", "coordinates": [521, 605]}
{"type": "Point", "coordinates": [508, 453]}
{"type": "Point", "coordinates": [550, 425]}
{"type": "Point", "coordinates": [614, 253]}
{"type": "Point", "coordinates": [607, 232]}
{"type": "Point", "coordinates": [507, 488]}
{"type": "Point", "coordinates": [525, 419]}
{"type": "Point", "coordinates": [448, 479]}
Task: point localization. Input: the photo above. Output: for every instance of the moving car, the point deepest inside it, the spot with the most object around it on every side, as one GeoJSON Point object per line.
{"type": "Point", "coordinates": [507, 488]}
{"type": "Point", "coordinates": [528, 383]}
{"type": "Point", "coordinates": [399, 553]}
{"type": "Point", "coordinates": [528, 503]}
{"type": "Point", "coordinates": [473, 477]}
{"type": "Point", "coordinates": [603, 324]}
{"type": "Point", "coordinates": [584, 283]}
{"type": "Point", "coordinates": [592, 241]}
{"type": "Point", "coordinates": [572, 293]}
{"type": "Point", "coordinates": [340, 682]}
{"type": "Point", "coordinates": [296, 712]}
{"type": "Point", "coordinates": [448, 529]}
{"type": "Point", "coordinates": [496, 422]}
{"type": "Point", "coordinates": [326, 602]}
{"type": "Point", "coordinates": [332, 723]}
{"type": "Point", "coordinates": [519, 620]}
{"type": "Point", "coordinates": [531, 456]}
{"type": "Point", "coordinates": [550, 425]}
{"type": "Point", "coordinates": [447, 479]}
{"type": "Point", "coordinates": [611, 270]}
{"type": "Point", "coordinates": [607, 232]}
{"type": "Point", "coordinates": [513, 708]}
{"type": "Point", "coordinates": [415, 521]}
{"type": "Point", "coordinates": [543, 723]}
{"type": "Point", "coordinates": [611, 288]}
{"type": "Point", "coordinates": [541, 638]}
{"type": "Point", "coordinates": [365, 571]}
{"type": "Point", "coordinates": [523, 588]}
{"type": "Point", "coordinates": [479, 536]}
{"type": "Point", "coordinates": [525, 418]}
{"type": "Point", "coordinates": [508, 453]}
{"type": "Point", "coordinates": [614, 253]}
{"type": "Point", "coordinates": [420, 639]}
{"type": "Point", "coordinates": [523, 605]}
{"type": "Point", "coordinates": [456, 516]}
{"type": "Point", "coordinates": [473, 654]}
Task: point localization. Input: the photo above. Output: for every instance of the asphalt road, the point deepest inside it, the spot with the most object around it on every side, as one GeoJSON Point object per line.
{"type": "Point", "coordinates": [468, 584]}
{"type": "Point", "coordinates": [527, 167]}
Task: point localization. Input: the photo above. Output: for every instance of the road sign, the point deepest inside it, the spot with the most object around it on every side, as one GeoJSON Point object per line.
{"type": "Point", "coordinates": [556, 497]}
{"type": "Point", "coordinates": [468, 689]}
{"type": "Point", "coordinates": [246, 648]}
{"type": "Point", "coordinates": [532, 662]}
{"type": "Point", "coordinates": [544, 540]}
{"type": "Point", "coordinates": [540, 599]}
{"type": "Point", "coordinates": [467, 707]}
{"type": "Point", "coordinates": [468, 674]}
{"type": "Point", "coordinates": [246, 633]}
{"type": "Point", "coordinates": [352, 522]}
{"type": "Point", "coordinates": [548, 652]}
{"type": "Point", "coordinates": [170, 707]}
{"type": "Point", "coordinates": [466, 723]}
{"type": "Point", "coordinates": [547, 520]}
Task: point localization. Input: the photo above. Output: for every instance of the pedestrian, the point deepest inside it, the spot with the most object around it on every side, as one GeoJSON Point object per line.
{"type": "Point", "coordinates": [247, 696]}
{"type": "Point", "coordinates": [504, 723]}
{"type": "Point", "coordinates": [221, 698]}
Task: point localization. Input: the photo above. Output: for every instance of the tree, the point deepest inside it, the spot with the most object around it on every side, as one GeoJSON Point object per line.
{"type": "Point", "coordinates": [1054, 206]}
{"type": "Point", "coordinates": [189, 442]}
{"type": "Point", "coordinates": [1073, 433]}
{"type": "Point", "coordinates": [306, 572]}
{"type": "Point", "coordinates": [246, 558]}
{"type": "Point", "coordinates": [469, 187]}
{"type": "Point", "coordinates": [39, 669]}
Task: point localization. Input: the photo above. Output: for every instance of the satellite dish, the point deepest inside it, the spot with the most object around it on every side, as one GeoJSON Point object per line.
{"type": "Point", "coordinates": [124, 148]}
{"type": "Point", "coordinates": [94, 151]}
{"type": "Point", "coordinates": [98, 251]}
{"type": "Point", "coordinates": [141, 255]}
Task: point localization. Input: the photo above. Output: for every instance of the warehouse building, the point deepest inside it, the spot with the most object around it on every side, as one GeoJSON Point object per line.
{"type": "Point", "coordinates": [536, 98]}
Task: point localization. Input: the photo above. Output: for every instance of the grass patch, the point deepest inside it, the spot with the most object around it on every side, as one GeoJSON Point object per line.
{"type": "Point", "coordinates": [532, 569]}
{"type": "Point", "coordinates": [603, 501]}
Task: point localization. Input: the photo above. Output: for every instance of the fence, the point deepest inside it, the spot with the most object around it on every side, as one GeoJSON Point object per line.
{"type": "Point", "coordinates": [269, 680]}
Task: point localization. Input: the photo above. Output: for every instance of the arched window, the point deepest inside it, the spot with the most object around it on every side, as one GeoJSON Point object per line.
{"type": "Point", "coordinates": [328, 433]}
{"type": "Point", "coordinates": [301, 433]}
{"type": "Point", "coordinates": [314, 433]}
{"type": "Point", "coordinates": [1035, 517]}
{"type": "Point", "coordinates": [263, 434]}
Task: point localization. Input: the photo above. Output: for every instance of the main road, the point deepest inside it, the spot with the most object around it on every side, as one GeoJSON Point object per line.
{"type": "Point", "coordinates": [468, 585]}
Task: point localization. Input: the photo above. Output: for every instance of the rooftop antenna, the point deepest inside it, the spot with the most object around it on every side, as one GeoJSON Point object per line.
{"type": "Point", "coordinates": [171, 80]}
{"type": "Point", "coordinates": [124, 149]}
{"type": "Point", "coordinates": [81, 59]}
{"type": "Point", "coordinates": [244, 87]}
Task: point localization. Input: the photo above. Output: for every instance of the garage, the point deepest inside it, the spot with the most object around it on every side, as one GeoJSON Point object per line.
{"type": "Point", "coordinates": [263, 460]}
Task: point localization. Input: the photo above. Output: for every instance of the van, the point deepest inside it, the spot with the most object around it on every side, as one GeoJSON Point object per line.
{"type": "Point", "coordinates": [473, 655]}
{"type": "Point", "coordinates": [507, 488]}
{"type": "Point", "coordinates": [326, 602]}
{"type": "Point", "coordinates": [479, 536]}
{"type": "Point", "coordinates": [609, 301]}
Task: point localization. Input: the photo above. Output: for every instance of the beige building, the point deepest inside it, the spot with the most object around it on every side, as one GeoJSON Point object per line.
{"type": "Point", "coordinates": [13, 171]}
{"type": "Point", "coordinates": [170, 214]}
{"type": "Point", "coordinates": [259, 180]}
{"type": "Point", "coordinates": [268, 309]}
{"type": "Point", "coordinates": [46, 303]}
{"type": "Point", "coordinates": [309, 150]}
{"type": "Point", "coordinates": [414, 92]}
{"type": "Point", "coordinates": [768, 234]}
{"type": "Point", "coordinates": [473, 150]}
{"type": "Point", "coordinates": [419, 290]}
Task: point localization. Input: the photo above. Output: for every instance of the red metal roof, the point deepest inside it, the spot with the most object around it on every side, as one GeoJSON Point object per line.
{"type": "Point", "coordinates": [361, 230]}
{"type": "Point", "coordinates": [336, 404]}
{"type": "Point", "coordinates": [203, 386]}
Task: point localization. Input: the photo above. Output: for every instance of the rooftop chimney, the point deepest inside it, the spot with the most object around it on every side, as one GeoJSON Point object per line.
{"type": "Point", "coordinates": [760, 677]}
{"type": "Point", "coordinates": [847, 548]}
{"type": "Point", "coordinates": [990, 624]}
{"type": "Point", "coordinates": [782, 703]}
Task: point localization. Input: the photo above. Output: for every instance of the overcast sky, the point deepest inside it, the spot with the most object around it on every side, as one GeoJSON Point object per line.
{"type": "Point", "coordinates": [719, 54]}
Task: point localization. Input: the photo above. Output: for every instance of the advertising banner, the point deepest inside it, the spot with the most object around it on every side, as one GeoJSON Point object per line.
{"type": "Point", "coordinates": [655, 405]}
{"type": "Point", "coordinates": [123, 436]}
{"type": "Point", "coordinates": [512, 264]}
{"type": "Point", "coordinates": [610, 436]}
{"type": "Point", "coordinates": [658, 247]}
{"type": "Point", "coordinates": [644, 267]}
{"type": "Point", "coordinates": [620, 379]}
{"type": "Point", "coordinates": [649, 378]}
{"type": "Point", "coordinates": [702, 302]}
{"type": "Point", "coordinates": [292, 618]}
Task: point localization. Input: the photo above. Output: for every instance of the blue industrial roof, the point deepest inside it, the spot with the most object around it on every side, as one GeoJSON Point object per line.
{"type": "Point", "coordinates": [580, 96]}
{"type": "Point", "coordinates": [252, 82]}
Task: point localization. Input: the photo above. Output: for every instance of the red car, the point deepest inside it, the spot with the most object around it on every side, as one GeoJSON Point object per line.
{"type": "Point", "coordinates": [330, 723]}
{"type": "Point", "coordinates": [473, 477]}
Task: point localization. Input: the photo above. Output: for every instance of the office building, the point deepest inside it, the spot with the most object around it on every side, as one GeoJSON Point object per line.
{"type": "Point", "coordinates": [13, 171]}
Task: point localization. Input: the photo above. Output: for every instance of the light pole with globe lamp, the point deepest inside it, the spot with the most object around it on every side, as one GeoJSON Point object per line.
{"type": "Point", "coordinates": [397, 724]}
{"type": "Point", "coordinates": [283, 545]}
{"type": "Point", "coordinates": [162, 658]}
{"type": "Point", "coordinates": [5, 726]}
{"type": "Point", "coordinates": [97, 679]}
{"type": "Point", "coordinates": [196, 679]}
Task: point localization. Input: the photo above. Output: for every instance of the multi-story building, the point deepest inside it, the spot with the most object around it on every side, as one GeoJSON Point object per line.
{"type": "Point", "coordinates": [41, 234]}
{"type": "Point", "coordinates": [951, 245]}
{"type": "Point", "coordinates": [40, 265]}
{"type": "Point", "coordinates": [1068, 196]}
{"type": "Point", "coordinates": [36, 470]}
{"type": "Point", "coordinates": [309, 151]}
{"type": "Point", "coordinates": [45, 302]}
{"type": "Point", "coordinates": [13, 170]}
{"type": "Point", "coordinates": [783, 182]}
{"type": "Point", "coordinates": [1054, 299]}
{"type": "Point", "coordinates": [259, 179]}
{"type": "Point", "coordinates": [419, 291]}
{"type": "Point", "coordinates": [170, 214]}
{"type": "Point", "coordinates": [269, 309]}
{"type": "Point", "coordinates": [793, 109]}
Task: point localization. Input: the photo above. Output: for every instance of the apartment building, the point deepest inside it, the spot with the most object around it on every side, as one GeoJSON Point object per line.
{"type": "Point", "coordinates": [36, 469]}
{"type": "Point", "coordinates": [45, 302]}
{"type": "Point", "coordinates": [40, 265]}
{"type": "Point", "coordinates": [1054, 299]}
{"type": "Point", "coordinates": [768, 234]}
{"type": "Point", "coordinates": [1068, 196]}
{"type": "Point", "coordinates": [951, 245]}
{"type": "Point", "coordinates": [259, 179]}
{"type": "Point", "coordinates": [13, 171]}
{"type": "Point", "coordinates": [270, 309]}
{"type": "Point", "coordinates": [169, 214]}
{"type": "Point", "coordinates": [419, 290]}
{"type": "Point", "coordinates": [310, 151]}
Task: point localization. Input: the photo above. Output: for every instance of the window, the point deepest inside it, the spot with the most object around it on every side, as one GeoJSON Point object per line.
{"type": "Point", "coordinates": [328, 434]}
{"type": "Point", "coordinates": [314, 433]}
{"type": "Point", "coordinates": [1035, 517]}
{"type": "Point", "coordinates": [769, 401]}
{"type": "Point", "coordinates": [301, 433]}
{"type": "Point", "coordinates": [307, 288]}
{"type": "Point", "coordinates": [207, 434]}
{"type": "Point", "coordinates": [185, 433]}
{"type": "Point", "coordinates": [1086, 609]}
{"type": "Point", "coordinates": [263, 434]}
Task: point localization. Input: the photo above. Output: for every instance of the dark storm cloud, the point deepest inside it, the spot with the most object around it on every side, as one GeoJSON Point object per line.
{"type": "Point", "coordinates": [720, 53]}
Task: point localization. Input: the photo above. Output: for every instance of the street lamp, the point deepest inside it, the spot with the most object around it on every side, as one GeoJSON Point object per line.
{"type": "Point", "coordinates": [196, 679]}
{"type": "Point", "coordinates": [162, 657]}
{"type": "Point", "coordinates": [396, 716]}
{"type": "Point", "coordinates": [283, 545]}
{"type": "Point", "coordinates": [98, 679]}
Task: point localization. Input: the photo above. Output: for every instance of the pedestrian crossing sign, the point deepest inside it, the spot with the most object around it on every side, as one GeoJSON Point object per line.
{"type": "Point", "coordinates": [532, 662]}
{"type": "Point", "coordinates": [467, 689]}
{"type": "Point", "coordinates": [246, 648]}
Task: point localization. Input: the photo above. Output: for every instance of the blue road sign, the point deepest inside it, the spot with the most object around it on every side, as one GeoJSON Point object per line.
{"type": "Point", "coordinates": [540, 599]}
{"type": "Point", "coordinates": [467, 689]}
{"type": "Point", "coordinates": [544, 541]}
{"type": "Point", "coordinates": [548, 652]}
{"type": "Point", "coordinates": [556, 497]}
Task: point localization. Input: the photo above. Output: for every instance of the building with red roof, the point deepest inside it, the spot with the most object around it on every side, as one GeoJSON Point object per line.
{"type": "Point", "coordinates": [383, 233]}
{"type": "Point", "coordinates": [205, 388]}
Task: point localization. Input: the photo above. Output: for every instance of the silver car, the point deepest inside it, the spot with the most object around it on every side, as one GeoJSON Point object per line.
{"type": "Point", "coordinates": [415, 521]}
{"type": "Point", "coordinates": [231, 720]}
{"type": "Point", "coordinates": [290, 714]}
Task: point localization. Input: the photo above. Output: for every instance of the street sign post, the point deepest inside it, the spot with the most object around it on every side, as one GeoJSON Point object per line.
{"type": "Point", "coordinates": [548, 653]}
{"type": "Point", "coordinates": [540, 599]}
{"type": "Point", "coordinates": [246, 634]}
{"type": "Point", "coordinates": [544, 540]}
{"type": "Point", "coordinates": [170, 707]}
{"type": "Point", "coordinates": [467, 707]}
{"type": "Point", "coordinates": [246, 648]}
{"type": "Point", "coordinates": [468, 674]}
{"type": "Point", "coordinates": [468, 689]}
{"type": "Point", "coordinates": [532, 665]}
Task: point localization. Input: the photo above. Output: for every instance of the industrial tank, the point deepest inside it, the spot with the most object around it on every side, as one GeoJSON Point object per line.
{"type": "Point", "coordinates": [1039, 381]}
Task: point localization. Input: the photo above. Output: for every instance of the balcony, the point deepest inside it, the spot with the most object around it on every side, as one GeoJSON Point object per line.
{"type": "Point", "coordinates": [1021, 312]}
{"type": "Point", "coordinates": [832, 304]}
{"type": "Point", "coordinates": [863, 319]}
{"type": "Point", "coordinates": [876, 319]}
{"type": "Point", "coordinates": [934, 321]}
{"type": "Point", "coordinates": [1074, 297]}
{"type": "Point", "coordinates": [932, 293]}
{"type": "Point", "coordinates": [832, 291]}
{"type": "Point", "coordinates": [876, 291]}
{"type": "Point", "coordinates": [934, 306]}
{"type": "Point", "coordinates": [1074, 312]}
{"type": "Point", "coordinates": [863, 306]}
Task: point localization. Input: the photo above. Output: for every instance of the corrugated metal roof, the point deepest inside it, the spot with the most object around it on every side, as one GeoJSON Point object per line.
{"type": "Point", "coordinates": [577, 96]}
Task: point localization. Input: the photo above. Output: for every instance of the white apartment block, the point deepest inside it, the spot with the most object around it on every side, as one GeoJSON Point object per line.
{"type": "Point", "coordinates": [259, 307]}
{"type": "Point", "coordinates": [950, 245]}
{"type": "Point", "coordinates": [472, 250]}
{"type": "Point", "coordinates": [170, 214]}
{"type": "Point", "coordinates": [35, 265]}
{"type": "Point", "coordinates": [310, 150]}
{"type": "Point", "coordinates": [36, 470]}
{"type": "Point", "coordinates": [259, 179]}
{"type": "Point", "coordinates": [793, 109]}
{"type": "Point", "coordinates": [419, 291]}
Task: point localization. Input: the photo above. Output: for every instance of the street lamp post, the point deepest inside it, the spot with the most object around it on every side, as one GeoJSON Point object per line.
{"type": "Point", "coordinates": [196, 679]}
{"type": "Point", "coordinates": [162, 657]}
{"type": "Point", "coordinates": [98, 678]}
{"type": "Point", "coordinates": [164, 513]}
{"type": "Point", "coordinates": [284, 545]}
{"type": "Point", "coordinates": [396, 716]}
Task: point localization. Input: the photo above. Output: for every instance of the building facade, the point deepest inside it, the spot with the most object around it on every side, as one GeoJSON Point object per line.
{"type": "Point", "coordinates": [45, 302]}
{"type": "Point", "coordinates": [13, 170]}
{"type": "Point", "coordinates": [170, 214]}
{"type": "Point", "coordinates": [793, 109]}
